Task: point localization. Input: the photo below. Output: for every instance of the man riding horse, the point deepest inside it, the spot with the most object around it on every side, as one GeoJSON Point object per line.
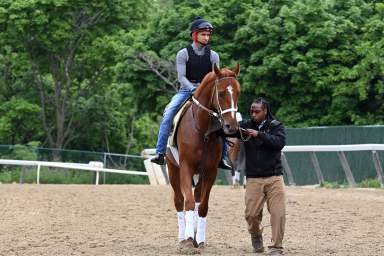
{"type": "Point", "coordinates": [192, 64]}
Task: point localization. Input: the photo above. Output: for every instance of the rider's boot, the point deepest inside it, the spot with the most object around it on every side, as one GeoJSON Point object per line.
{"type": "Point", "coordinates": [158, 159]}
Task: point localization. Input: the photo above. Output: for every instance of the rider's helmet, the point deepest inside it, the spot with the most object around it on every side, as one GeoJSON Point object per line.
{"type": "Point", "coordinates": [199, 24]}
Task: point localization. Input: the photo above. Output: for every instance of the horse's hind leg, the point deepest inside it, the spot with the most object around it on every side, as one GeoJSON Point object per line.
{"type": "Point", "coordinates": [234, 155]}
{"type": "Point", "coordinates": [178, 198]}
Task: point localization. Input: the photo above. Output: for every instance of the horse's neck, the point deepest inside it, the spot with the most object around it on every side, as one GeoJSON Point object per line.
{"type": "Point", "coordinates": [202, 117]}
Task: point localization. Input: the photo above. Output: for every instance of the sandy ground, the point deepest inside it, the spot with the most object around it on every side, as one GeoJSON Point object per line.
{"type": "Point", "coordinates": [140, 220]}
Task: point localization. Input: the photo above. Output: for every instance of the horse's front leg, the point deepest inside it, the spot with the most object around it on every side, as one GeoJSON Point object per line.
{"type": "Point", "coordinates": [189, 202]}
{"type": "Point", "coordinates": [178, 199]}
{"type": "Point", "coordinates": [207, 183]}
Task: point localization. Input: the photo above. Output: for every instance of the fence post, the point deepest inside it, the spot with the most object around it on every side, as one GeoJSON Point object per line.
{"type": "Point", "coordinates": [97, 177]}
{"type": "Point", "coordinates": [98, 165]}
{"type": "Point", "coordinates": [284, 161]}
{"type": "Point", "coordinates": [316, 165]}
{"type": "Point", "coordinates": [38, 174]}
{"type": "Point", "coordinates": [378, 167]}
{"type": "Point", "coordinates": [346, 168]}
{"type": "Point", "coordinates": [105, 166]}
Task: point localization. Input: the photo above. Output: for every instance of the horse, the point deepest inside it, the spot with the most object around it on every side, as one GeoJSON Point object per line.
{"type": "Point", "coordinates": [212, 111]}
{"type": "Point", "coordinates": [236, 155]}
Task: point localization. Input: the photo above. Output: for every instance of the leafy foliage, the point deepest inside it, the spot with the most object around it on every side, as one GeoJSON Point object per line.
{"type": "Point", "coordinates": [97, 75]}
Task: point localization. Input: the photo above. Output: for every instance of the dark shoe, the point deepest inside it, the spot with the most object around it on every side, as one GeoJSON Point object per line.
{"type": "Point", "coordinates": [257, 243]}
{"type": "Point", "coordinates": [224, 164]}
{"type": "Point", "coordinates": [159, 159]}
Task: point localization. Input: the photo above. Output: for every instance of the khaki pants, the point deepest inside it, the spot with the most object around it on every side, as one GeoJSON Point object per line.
{"type": "Point", "coordinates": [259, 190]}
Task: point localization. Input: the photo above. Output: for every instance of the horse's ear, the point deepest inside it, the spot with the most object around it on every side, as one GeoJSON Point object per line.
{"type": "Point", "coordinates": [237, 69]}
{"type": "Point", "coordinates": [217, 70]}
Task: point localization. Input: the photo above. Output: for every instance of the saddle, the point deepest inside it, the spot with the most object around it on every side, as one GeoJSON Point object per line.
{"type": "Point", "coordinates": [176, 120]}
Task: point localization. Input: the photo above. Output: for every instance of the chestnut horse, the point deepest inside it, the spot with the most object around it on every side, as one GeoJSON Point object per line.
{"type": "Point", "coordinates": [213, 109]}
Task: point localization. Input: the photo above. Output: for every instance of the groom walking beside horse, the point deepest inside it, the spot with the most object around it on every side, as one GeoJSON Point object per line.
{"type": "Point", "coordinates": [264, 171]}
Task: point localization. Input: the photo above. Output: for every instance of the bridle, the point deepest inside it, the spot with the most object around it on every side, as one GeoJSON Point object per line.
{"type": "Point", "coordinates": [218, 112]}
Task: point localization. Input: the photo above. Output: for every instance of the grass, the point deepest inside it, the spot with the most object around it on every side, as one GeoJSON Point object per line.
{"type": "Point", "coordinates": [366, 183]}
{"type": "Point", "coordinates": [63, 176]}
{"type": "Point", "coordinates": [369, 183]}
{"type": "Point", "coordinates": [331, 184]}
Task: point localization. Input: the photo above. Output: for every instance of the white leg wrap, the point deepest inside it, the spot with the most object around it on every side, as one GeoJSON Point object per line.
{"type": "Point", "coordinates": [189, 229]}
{"type": "Point", "coordinates": [237, 175]}
{"type": "Point", "coordinates": [181, 224]}
{"type": "Point", "coordinates": [245, 180]}
{"type": "Point", "coordinates": [196, 215]}
{"type": "Point", "coordinates": [201, 226]}
{"type": "Point", "coordinates": [233, 180]}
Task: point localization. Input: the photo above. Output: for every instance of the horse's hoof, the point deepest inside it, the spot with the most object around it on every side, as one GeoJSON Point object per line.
{"type": "Point", "coordinates": [187, 243]}
{"type": "Point", "coordinates": [201, 245]}
{"type": "Point", "coordinates": [236, 186]}
{"type": "Point", "coordinates": [188, 247]}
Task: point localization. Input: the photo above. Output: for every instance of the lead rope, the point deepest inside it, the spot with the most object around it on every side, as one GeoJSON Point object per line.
{"type": "Point", "coordinates": [241, 130]}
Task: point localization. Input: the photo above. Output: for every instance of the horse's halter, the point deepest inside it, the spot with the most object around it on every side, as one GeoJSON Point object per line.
{"type": "Point", "coordinates": [215, 94]}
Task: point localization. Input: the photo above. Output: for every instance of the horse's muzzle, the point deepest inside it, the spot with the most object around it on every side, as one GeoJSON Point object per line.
{"type": "Point", "coordinates": [230, 129]}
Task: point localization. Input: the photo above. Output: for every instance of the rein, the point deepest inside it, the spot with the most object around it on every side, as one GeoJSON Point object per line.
{"type": "Point", "coordinates": [220, 112]}
{"type": "Point", "coordinates": [211, 112]}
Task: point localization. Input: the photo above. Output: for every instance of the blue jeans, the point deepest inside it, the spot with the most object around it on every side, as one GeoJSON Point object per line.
{"type": "Point", "coordinates": [168, 115]}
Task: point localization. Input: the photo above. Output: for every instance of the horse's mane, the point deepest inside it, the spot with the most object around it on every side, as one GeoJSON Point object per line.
{"type": "Point", "coordinates": [211, 76]}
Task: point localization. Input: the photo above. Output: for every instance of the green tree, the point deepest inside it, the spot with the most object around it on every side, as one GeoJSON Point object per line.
{"type": "Point", "coordinates": [370, 70]}
{"type": "Point", "coordinates": [70, 48]}
{"type": "Point", "coordinates": [98, 74]}
{"type": "Point", "coordinates": [302, 57]}
{"type": "Point", "coordinates": [19, 122]}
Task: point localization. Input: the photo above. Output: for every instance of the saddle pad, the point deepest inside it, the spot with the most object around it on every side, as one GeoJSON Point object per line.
{"type": "Point", "coordinates": [176, 120]}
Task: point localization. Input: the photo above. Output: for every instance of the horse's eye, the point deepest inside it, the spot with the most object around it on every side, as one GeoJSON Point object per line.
{"type": "Point", "coordinates": [221, 94]}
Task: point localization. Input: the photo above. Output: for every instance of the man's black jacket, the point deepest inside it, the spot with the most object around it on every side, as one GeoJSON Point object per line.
{"type": "Point", "coordinates": [263, 153]}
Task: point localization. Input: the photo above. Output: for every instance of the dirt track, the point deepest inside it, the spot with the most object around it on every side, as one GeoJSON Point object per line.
{"type": "Point", "coordinates": [140, 220]}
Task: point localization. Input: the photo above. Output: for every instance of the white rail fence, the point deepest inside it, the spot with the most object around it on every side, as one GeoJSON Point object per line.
{"type": "Point", "coordinates": [92, 166]}
{"type": "Point", "coordinates": [159, 174]}
{"type": "Point", "coordinates": [311, 149]}
{"type": "Point", "coordinates": [340, 149]}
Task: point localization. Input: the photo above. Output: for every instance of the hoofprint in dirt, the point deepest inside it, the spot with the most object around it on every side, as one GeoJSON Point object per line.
{"type": "Point", "coordinates": [141, 220]}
